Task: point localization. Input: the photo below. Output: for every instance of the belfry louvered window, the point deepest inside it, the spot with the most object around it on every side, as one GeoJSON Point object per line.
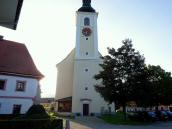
{"type": "Point", "coordinates": [86, 21]}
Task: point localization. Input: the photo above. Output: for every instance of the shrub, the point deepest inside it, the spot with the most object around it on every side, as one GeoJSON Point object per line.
{"type": "Point", "coordinates": [32, 124]}
{"type": "Point", "coordinates": [36, 111]}
{"type": "Point", "coordinates": [57, 123]}
{"type": "Point", "coordinates": [78, 114]}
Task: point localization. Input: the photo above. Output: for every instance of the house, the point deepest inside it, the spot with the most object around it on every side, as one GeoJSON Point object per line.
{"type": "Point", "coordinates": [48, 103]}
{"type": "Point", "coordinates": [75, 92]}
{"type": "Point", "coordinates": [19, 78]}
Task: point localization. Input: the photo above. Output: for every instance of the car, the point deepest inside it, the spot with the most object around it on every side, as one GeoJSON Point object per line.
{"type": "Point", "coordinates": [143, 116]}
{"type": "Point", "coordinates": [162, 115]}
{"type": "Point", "coordinates": [152, 116]}
{"type": "Point", "coordinates": [169, 113]}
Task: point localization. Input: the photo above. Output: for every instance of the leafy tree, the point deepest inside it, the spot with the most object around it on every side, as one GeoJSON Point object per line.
{"type": "Point", "coordinates": [120, 70]}
{"type": "Point", "coordinates": [161, 83]}
{"type": "Point", "coordinates": [144, 89]}
{"type": "Point", "coordinates": [154, 87]}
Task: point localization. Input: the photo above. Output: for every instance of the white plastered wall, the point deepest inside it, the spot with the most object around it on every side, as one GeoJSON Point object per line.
{"type": "Point", "coordinates": [65, 77]}
{"type": "Point", "coordinates": [9, 96]}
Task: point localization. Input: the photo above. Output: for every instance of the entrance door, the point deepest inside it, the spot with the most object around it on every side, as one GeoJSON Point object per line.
{"type": "Point", "coordinates": [85, 109]}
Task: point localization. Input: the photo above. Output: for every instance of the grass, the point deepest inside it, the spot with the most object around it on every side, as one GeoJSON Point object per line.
{"type": "Point", "coordinates": [118, 119]}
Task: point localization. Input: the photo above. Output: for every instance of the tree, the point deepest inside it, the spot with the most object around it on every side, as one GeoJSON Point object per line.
{"type": "Point", "coordinates": [154, 88]}
{"type": "Point", "coordinates": [119, 71]}
{"type": "Point", "coordinates": [161, 82]}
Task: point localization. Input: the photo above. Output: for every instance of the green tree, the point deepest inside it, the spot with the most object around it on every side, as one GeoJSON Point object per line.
{"type": "Point", "coordinates": [161, 83]}
{"type": "Point", "coordinates": [154, 87]}
{"type": "Point", "coordinates": [119, 71]}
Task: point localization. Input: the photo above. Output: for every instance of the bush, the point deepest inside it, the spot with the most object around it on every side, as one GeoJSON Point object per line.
{"type": "Point", "coordinates": [35, 118]}
{"type": "Point", "coordinates": [8, 116]}
{"type": "Point", "coordinates": [32, 124]}
{"type": "Point", "coordinates": [36, 111]}
{"type": "Point", "coordinates": [57, 123]}
{"type": "Point", "coordinates": [134, 116]}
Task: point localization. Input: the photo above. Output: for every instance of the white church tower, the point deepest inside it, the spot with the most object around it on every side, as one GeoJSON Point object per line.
{"type": "Point", "coordinates": [86, 32]}
{"type": "Point", "coordinates": [75, 91]}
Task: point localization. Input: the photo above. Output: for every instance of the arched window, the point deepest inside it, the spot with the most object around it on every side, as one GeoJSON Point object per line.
{"type": "Point", "coordinates": [86, 21]}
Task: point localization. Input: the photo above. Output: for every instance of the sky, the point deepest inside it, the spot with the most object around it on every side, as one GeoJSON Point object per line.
{"type": "Point", "coordinates": [47, 28]}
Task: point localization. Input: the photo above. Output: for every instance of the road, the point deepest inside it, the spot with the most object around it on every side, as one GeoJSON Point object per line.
{"type": "Point", "coordinates": [96, 123]}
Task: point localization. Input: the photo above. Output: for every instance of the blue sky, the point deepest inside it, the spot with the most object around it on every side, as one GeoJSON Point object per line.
{"type": "Point", "coordinates": [47, 27]}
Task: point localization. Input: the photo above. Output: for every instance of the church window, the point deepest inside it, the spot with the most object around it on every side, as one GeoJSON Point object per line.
{"type": "Point", "coordinates": [86, 53]}
{"type": "Point", "coordinates": [86, 70]}
{"type": "Point", "coordinates": [86, 88]}
{"type": "Point", "coordinates": [86, 21]}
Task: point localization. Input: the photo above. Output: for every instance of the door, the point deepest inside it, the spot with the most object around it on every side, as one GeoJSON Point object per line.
{"type": "Point", "coordinates": [85, 109]}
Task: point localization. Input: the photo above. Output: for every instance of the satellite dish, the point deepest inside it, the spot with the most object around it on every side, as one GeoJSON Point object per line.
{"type": "Point", "coordinates": [10, 12]}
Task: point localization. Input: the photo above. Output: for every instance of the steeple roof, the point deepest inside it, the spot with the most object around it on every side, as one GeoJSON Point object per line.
{"type": "Point", "coordinates": [86, 6]}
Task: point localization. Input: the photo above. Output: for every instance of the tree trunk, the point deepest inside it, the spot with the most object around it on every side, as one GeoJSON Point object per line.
{"type": "Point", "coordinates": [124, 110]}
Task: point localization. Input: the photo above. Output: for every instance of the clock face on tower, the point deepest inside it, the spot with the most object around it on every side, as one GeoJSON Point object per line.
{"type": "Point", "coordinates": [86, 31]}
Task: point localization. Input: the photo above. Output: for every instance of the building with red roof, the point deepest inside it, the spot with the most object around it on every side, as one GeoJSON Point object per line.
{"type": "Point", "coordinates": [19, 78]}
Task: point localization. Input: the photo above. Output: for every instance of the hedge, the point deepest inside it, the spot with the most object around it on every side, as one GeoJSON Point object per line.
{"type": "Point", "coordinates": [32, 124]}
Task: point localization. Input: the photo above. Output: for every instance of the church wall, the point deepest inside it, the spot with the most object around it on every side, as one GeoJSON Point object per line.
{"type": "Point", "coordinates": [85, 79]}
{"type": "Point", "coordinates": [87, 46]}
{"type": "Point", "coordinates": [65, 77]}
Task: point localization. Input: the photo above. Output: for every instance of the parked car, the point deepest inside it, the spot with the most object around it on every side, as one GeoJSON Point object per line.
{"type": "Point", "coordinates": [143, 116]}
{"type": "Point", "coordinates": [152, 115]}
{"type": "Point", "coordinates": [162, 115]}
{"type": "Point", "coordinates": [169, 113]}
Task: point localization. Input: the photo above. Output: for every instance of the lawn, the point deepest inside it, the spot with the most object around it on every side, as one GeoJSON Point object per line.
{"type": "Point", "coordinates": [118, 118]}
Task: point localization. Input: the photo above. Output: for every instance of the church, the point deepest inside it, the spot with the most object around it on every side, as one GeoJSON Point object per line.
{"type": "Point", "coordinates": [75, 91]}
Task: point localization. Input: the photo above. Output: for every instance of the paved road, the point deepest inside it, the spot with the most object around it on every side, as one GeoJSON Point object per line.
{"type": "Point", "coordinates": [95, 123]}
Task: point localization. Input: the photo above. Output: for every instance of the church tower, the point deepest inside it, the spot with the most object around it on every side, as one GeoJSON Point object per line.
{"type": "Point", "coordinates": [86, 32]}
{"type": "Point", "coordinates": [75, 92]}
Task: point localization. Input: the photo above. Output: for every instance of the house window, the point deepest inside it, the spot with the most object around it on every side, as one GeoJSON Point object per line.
{"type": "Point", "coordinates": [86, 88]}
{"type": "Point", "coordinates": [86, 21]}
{"type": "Point", "coordinates": [20, 86]}
{"type": "Point", "coordinates": [16, 109]}
{"type": "Point", "coordinates": [86, 53]}
{"type": "Point", "coordinates": [2, 84]}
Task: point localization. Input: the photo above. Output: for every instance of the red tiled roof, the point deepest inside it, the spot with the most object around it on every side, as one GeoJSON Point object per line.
{"type": "Point", "coordinates": [16, 60]}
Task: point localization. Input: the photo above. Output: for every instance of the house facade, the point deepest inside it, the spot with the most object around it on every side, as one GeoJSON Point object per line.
{"type": "Point", "coordinates": [75, 92]}
{"type": "Point", "coordinates": [19, 78]}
